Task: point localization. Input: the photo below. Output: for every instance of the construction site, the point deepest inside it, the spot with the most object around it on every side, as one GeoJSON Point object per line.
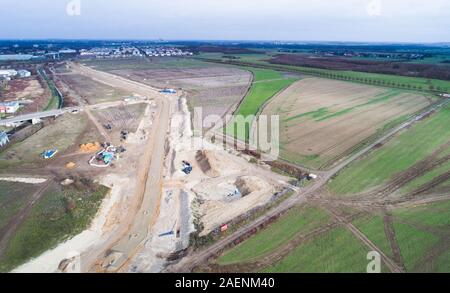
{"type": "Point", "coordinates": [159, 189]}
{"type": "Point", "coordinates": [120, 168]}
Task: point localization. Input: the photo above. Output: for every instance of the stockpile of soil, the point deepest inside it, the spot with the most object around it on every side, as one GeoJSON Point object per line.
{"type": "Point", "coordinates": [206, 164]}
{"type": "Point", "coordinates": [90, 147]}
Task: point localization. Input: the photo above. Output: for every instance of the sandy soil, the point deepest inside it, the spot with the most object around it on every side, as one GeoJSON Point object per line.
{"type": "Point", "coordinates": [123, 181]}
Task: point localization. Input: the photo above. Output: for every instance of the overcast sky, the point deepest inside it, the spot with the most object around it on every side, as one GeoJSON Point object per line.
{"type": "Point", "coordinates": [313, 20]}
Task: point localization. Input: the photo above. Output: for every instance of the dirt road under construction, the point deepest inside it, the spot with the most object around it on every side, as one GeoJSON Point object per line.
{"type": "Point", "coordinates": [310, 192]}
{"type": "Point", "coordinates": [134, 228]}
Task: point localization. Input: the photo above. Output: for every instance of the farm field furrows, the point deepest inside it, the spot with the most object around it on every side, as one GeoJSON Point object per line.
{"type": "Point", "coordinates": [299, 220]}
{"type": "Point", "coordinates": [217, 89]}
{"type": "Point", "coordinates": [88, 90]}
{"type": "Point", "coordinates": [335, 251]}
{"type": "Point", "coordinates": [323, 120]}
{"type": "Point", "coordinates": [397, 155]}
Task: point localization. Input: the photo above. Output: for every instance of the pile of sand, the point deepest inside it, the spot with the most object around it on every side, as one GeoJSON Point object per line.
{"type": "Point", "coordinates": [71, 165]}
{"type": "Point", "coordinates": [207, 164]}
{"type": "Point", "coordinates": [90, 147]}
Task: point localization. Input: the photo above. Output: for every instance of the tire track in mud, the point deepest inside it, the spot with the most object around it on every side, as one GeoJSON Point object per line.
{"type": "Point", "coordinates": [274, 257]}
{"type": "Point", "coordinates": [392, 265]}
{"type": "Point", "coordinates": [21, 216]}
{"type": "Point", "coordinates": [427, 263]}
{"type": "Point", "coordinates": [392, 238]}
{"type": "Point", "coordinates": [430, 185]}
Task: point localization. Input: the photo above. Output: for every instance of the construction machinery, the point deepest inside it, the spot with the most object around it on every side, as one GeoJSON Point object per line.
{"type": "Point", "coordinates": [187, 168]}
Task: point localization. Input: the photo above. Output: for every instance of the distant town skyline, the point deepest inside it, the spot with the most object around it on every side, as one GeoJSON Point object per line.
{"type": "Point", "coordinates": [398, 21]}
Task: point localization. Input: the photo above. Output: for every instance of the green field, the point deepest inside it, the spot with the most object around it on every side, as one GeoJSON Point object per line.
{"type": "Point", "coordinates": [414, 243]}
{"type": "Point", "coordinates": [436, 214]}
{"type": "Point", "coordinates": [419, 236]}
{"type": "Point", "coordinates": [437, 60]}
{"type": "Point", "coordinates": [266, 84]}
{"type": "Point", "coordinates": [425, 178]}
{"type": "Point", "coordinates": [298, 220]}
{"type": "Point", "coordinates": [59, 135]}
{"type": "Point", "coordinates": [373, 228]}
{"type": "Point", "coordinates": [13, 197]}
{"type": "Point", "coordinates": [397, 155]}
{"type": "Point", "coordinates": [442, 264]}
{"type": "Point", "coordinates": [60, 214]}
{"type": "Point", "coordinates": [55, 101]}
{"type": "Point", "coordinates": [336, 251]}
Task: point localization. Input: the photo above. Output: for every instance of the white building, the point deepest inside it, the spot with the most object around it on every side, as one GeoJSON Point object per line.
{"type": "Point", "coordinates": [23, 73]}
{"type": "Point", "coordinates": [8, 73]}
{"type": "Point", "coordinates": [9, 107]}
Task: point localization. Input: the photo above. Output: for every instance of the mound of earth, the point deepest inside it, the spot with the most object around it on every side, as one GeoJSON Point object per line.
{"type": "Point", "coordinates": [207, 164]}
{"type": "Point", "coordinates": [247, 185]}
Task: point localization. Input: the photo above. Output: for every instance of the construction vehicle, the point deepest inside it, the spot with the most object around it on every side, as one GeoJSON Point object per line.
{"type": "Point", "coordinates": [168, 91]}
{"type": "Point", "coordinates": [311, 176]}
{"type": "Point", "coordinates": [49, 154]}
{"type": "Point", "coordinates": [187, 168]}
{"type": "Point", "coordinates": [105, 157]}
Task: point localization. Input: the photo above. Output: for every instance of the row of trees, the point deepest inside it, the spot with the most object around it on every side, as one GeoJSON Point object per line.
{"type": "Point", "coordinates": [373, 81]}
{"type": "Point", "coordinates": [341, 76]}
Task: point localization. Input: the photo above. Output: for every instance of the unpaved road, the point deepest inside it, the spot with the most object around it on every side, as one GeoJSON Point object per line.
{"type": "Point", "coordinates": [136, 227]}
{"type": "Point", "coordinates": [188, 263]}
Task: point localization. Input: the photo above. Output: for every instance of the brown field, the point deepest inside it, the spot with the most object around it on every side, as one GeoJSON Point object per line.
{"type": "Point", "coordinates": [120, 118]}
{"type": "Point", "coordinates": [81, 89]}
{"type": "Point", "coordinates": [217, 89]}
{"type": "Point", "coordinates": [31, 91]}
{"type": "Point", "coordinates": [323, 120]}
